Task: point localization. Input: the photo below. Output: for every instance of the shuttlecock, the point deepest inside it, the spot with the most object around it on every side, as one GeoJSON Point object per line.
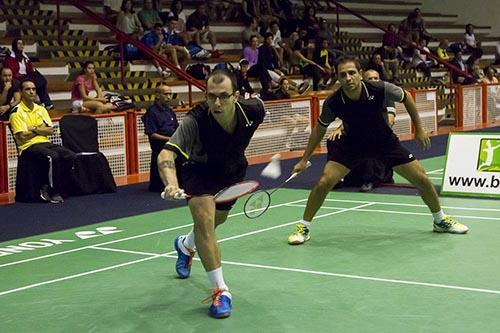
{"type": "Point", "coordinates": [273, 169]}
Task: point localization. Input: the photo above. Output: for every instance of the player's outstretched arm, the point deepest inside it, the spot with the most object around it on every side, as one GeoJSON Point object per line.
{"type": "Point", "coordinates": [317, 134]}
{"type": "Point", "coordinates": [420, 134]}
{"type": "Point", "coordinates": [168, 173]}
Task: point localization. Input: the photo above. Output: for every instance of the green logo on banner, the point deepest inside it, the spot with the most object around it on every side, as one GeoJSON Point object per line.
{"type": "Point", "coordinates": [489, 155]}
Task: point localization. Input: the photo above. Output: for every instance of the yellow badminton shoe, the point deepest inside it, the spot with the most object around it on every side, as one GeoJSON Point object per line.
{"type": "Point", "coordinates": [449, 225]}
{"type": "Point", "coordinates": [300, 235]}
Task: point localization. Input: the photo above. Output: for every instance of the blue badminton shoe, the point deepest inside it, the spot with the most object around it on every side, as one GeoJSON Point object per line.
{"type": "Point", "coordinates": [221, 304]}
{"type": "Point", "coordinates": [184, 261]}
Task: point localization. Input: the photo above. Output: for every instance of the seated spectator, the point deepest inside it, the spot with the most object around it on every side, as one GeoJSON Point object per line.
{"type": "Point", "coordinates": [32, 126]}
{"type": "Point", "coordinates": [420, 59]}
{"type": "Point", "coordinates": [311, 22]}
{"type": "Point", "coordinates": [22, 68]}
{"type": "Point", "coordinates": [442, 50]}
{"type": "Point", "coordinates": [177, 11]}
{"type": "Point", "coordinates": [231, 11]}
{"type": "Point", "coordinates": [264, 14]}
{"type": "Point", "coordinates": [377, 65]}
{"type": "Point", "coordinates": [155, 40]}
{"type": "Point", "coordinates": [305, 65]}
{"type": "Point", "coordinates": [111, 8]}
{"type": "Point", "coordinates": [127, 20]}
{"type": "Point", "coordinates": [241, 74]}
{"type": "Point", "coordinates": [268, 59]}
{"type": "Point", "coordinates": [325, 32]}
{"type": "Point", "coordinates": [9, 93]}
{"type": "Point", "coordinates": [405, 48]}
{"type": "Point", "coordinates": [497, 54]}
{"type": "Point", "coordinates": [471, 45]}
{"type": "Point", "coordinates": [490, 75]}
{"type": "Point", "coordinates": [277, 41]}
{"type": "Point", "coordinates": [456, 77]}
{"type": "Point", "coordinates": [198, 26]}
{"type": "Point", "coordinates": [249, 31]}
{"type": "Point", "coordinates": [160, 122]}
{"type": "Point", "coordinates": [283, 92]}
{"type": "Point", "coordinates": [172, 44]}
{"type": "Point", "coordinates": [148, 15]}
{"type": "Point", "coordinates": [323, 57]}
{"type": "Point", "coordinates": [84, 83]}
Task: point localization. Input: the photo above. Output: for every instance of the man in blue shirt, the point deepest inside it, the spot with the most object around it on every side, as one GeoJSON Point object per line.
{"type": "Point", "coordinates": [160, 123]}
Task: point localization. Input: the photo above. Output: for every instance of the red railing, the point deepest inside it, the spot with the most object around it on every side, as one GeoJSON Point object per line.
{"type": "Point", "coordinates": [123, 38]}
{"type": "Point", "coordinates": [373, 24]}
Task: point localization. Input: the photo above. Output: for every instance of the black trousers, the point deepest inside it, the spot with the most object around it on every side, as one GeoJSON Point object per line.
{"type": "Point", "coordinates": [60, 162]}
{"type": "Point", "coordinates": [314, 72]}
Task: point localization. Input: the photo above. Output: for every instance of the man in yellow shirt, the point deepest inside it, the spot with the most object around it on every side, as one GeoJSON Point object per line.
{"type": "Point", "coordinates": [31, 126]}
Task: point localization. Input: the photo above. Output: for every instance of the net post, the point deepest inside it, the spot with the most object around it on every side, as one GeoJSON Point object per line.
{"type": "Point", "coordinates": [131, 142]}
{"type": "Point", "coordinates": [4, 182]}
{"type": "Point", "coordinates": [413, 94]}
{"type": "Point", "coordinates": [459, 109]}
{"type": "Point", "coordinates": [484, 103]}
{"type": "Point", "coordinates": [314, 116]}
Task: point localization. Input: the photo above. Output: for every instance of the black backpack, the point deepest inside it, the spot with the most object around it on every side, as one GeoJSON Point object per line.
{"type": "Point", "coordinates": [198, 71]}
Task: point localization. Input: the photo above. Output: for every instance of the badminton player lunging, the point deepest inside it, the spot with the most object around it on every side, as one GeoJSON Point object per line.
{"type": "Point", "coordinates": [360, 106]}
{"type": "Point", "coordinates": [204, 155]}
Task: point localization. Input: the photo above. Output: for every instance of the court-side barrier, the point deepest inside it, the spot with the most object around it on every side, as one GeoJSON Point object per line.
{"type": "Point", "coordinates": [286, 127]}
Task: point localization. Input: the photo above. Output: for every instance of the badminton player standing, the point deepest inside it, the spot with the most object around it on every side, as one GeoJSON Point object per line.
{"type": "Point", "coordinates": [204, 155]}
{"type": "Point", "coordinates": [360, 106]}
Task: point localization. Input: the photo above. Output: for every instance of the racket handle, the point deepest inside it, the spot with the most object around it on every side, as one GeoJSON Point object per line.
{"type": "Point", "coordinates": [295, 174]}
{"type": "Point", "coordinates": [177, 196]}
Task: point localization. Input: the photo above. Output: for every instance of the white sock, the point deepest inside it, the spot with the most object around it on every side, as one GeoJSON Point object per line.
{"type": "Point", "coordinates": [217, 280]}
{"type": "Point", "coordinates": [438, 216]}
{"type": "Point", "coordinates": [189, 241]}
{"type": "Point", "coordinates": [306, 223]}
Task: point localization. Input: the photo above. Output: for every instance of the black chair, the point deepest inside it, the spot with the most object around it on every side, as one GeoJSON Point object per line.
{"type": "Point", "coordinates": [91, 172]}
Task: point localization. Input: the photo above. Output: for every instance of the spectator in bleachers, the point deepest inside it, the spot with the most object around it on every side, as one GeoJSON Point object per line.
{"type": "Point", "coordinates": [241, 74]}
{"type": "Point", "coordinates": [306, 66]}
{"type": "Point", "coordinates": [249, 31]}
{"type": "Point", "coordinates": [127, 20]}
{"type": "Point", "coordinates": [377, 65]}
{"type": "Point", "coordinates": [406, 48]}
{"type": "Point", "coordinates": [417, 26]}
{"type": "Point", "coordinates": [231, 11]}
{"type": "Point", "coordinates": [32, 126]}
{"type": "Point", "coordinates": [177, 11]}
{"type": "Point", "coordinates": [390, 39]}
{"type": "Point", "coordinates": [326, 59]}
{"type": "Point", "coordinates": [389, 51]}
{"type": "Point", "coordinates": [83, 85]}
{"type": "Point", "coordinates": [311, 22]}
{"type": "Point", "coordinates": [22, 68]}
{"type": "Point", "coordinates": [471, 45]}
{"type": "Point", "coordinates": [198, 25]}
{"type": "Point", "coordinates": [456, 77]}
{"type": "Point", "coordinates": [325, 32]}
{"type": "Point", "coordinates": [291, 21]}
{"type": "Point", "coordinates": [155, 39]}
{"type": "Point", "coordinates": [497, 54]}
{"type": "Point", "coordinates": [265, 14]}
{"type": "Point", "coordinates": [490, 75]}
{"type": "Point", "coordinates": [442, 50]}
{"type": "Point", "coordinates": [173, 44]}
{"type": "Point", "coordinates": [9, 93]}
{"type": "Point", "coordinates": [420, 59]}
{"type": "Point", "coordinates": [277, 41]}
{"type": "Point", "coordinates": [148, 15]}
{"type": "Point", "coordinates": [268, 59]}
{"type": "Point", "coordinates": [160, 122]}
{"type": "Point", "coordinates": [283, 92]}
{"type": "Point", "coordinates": [111, 8]}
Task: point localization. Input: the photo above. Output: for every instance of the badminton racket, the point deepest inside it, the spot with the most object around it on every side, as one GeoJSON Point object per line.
{"type": "Point", "coordinates": [227, 194]}
{"type": "Point", "coordinates": [258, 203]}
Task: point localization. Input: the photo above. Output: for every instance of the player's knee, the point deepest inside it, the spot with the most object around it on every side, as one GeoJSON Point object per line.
{"type": "Point", "coordinates": [326, 183]}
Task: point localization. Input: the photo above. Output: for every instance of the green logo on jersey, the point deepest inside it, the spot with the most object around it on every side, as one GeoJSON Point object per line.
{"type": "Point", "coordinates": [489, 155]}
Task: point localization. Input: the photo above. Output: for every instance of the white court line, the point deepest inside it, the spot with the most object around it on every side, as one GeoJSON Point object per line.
{"type": "Point", "coordinates": [436, 178]}
{"type": "Point", "coordinates": [125, 239]}
{"type": "Point", "coordinates": [306, 271]}
{"type": "Point", "coordinates": [97, 247]}
{"type": "Point", "coordinates": [409, 205]}
{"type": "Point", "coordinates": [437, 171]}
{"type": "Point", "coordinates": [404, 213]}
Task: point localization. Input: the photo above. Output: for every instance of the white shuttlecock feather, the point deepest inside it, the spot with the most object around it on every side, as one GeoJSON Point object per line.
{"type": "Point", "coordinates": [273, 169]}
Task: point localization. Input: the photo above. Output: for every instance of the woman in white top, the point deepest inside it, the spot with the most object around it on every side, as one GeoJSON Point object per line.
{"type": "Point", "coordinates": [127, 20]}
{"type": "Point", "coordinates": [471, 45]}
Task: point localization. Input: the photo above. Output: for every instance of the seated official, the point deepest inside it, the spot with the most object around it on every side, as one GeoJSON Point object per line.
{"type": "Point", "coordinates": [31, 126]}
{"type": "Point", "coordinates": [160, 122]}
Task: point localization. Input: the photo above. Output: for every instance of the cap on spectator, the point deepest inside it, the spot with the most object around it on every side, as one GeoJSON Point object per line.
{"type": "Point", "coordinates": [244, 62]}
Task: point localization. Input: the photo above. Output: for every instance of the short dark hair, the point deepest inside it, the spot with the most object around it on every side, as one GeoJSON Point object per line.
{"type": "Point", "coordinates": [345, 59]}
{"type": "Point", "coordinates": [218, 76]}
{"type": "Point", "coordinates": [23, 81]}
{"type": "Point", "coordinates": [267, 35]}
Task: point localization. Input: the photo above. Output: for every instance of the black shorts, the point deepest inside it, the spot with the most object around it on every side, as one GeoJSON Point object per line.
{"type": "Point", "coordinates": [197, 180]}
{"type": "Point", "coordinates": [392, 153]}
